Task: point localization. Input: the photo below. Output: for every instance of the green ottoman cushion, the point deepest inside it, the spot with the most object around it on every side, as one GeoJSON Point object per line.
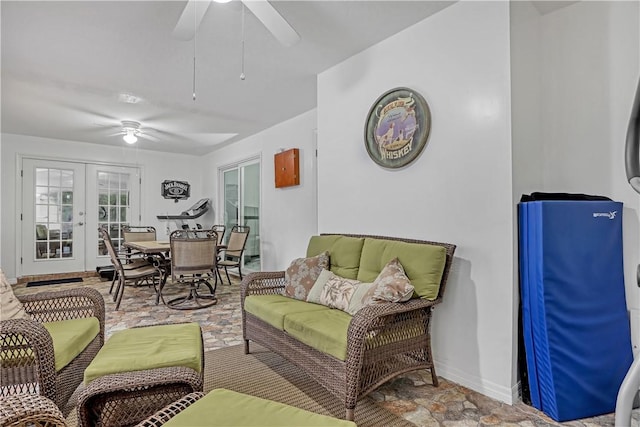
{"type": "Point", "coordinates": [325, 331]}
{"type": "Point", "coordinates": [71, 337]}
{"type": "Point", "coordinates": [149, 347]}
{"type": "Point", "coordinates": [344, 253]}
{"type": "Point", "coordinates": [273, 308]}
{"type": "Point", "coordinates": [222, 407]}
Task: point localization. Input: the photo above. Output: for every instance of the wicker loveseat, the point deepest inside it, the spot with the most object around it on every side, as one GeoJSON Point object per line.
{"type": "Point", "coordinates": [382, 340]}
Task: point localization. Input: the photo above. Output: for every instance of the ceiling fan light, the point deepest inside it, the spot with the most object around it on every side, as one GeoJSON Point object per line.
{"type": "Point", "coordinates": [130, 137]}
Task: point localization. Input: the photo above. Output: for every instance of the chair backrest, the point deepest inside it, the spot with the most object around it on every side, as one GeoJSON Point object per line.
{"type": "Point", "coordinates": [138, 233]}
{"type": "Point", "coordinates": [104, 233]}
{"type": "Point", "coordinates": [237, 240]}
{"type": "Point", "coordinates": [219, 229]}
{"type": "Point", "coordinates": [192, 254]}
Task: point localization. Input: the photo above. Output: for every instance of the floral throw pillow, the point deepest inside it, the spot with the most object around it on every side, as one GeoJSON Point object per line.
{"type": "Point", "coordinates": [391, 285]}
{"type": "Point", "coordinates": [302, 274]}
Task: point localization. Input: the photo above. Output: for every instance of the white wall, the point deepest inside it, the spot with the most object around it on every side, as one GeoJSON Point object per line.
{"type": "Point", "coordinates": [288, 215]}
{"type": "Point", "coordinates": [458, 190]}
{"type": "Point", "coordinates": [156, 167]}
{"type": "Point", "coordinates": [590, 70]}
{"type": "Point", "coordinates": [527, 142]}
{"type": "Point", "coordinates": [574, 74]}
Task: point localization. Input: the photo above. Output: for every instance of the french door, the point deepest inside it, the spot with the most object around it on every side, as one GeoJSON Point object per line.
{"type": "Point", "coordinates": [241, 205]}
{"type": "Point", "coordinates": [63, 203]}
{"type": "Point", "coordinates": [53, 212]}
{"type": "Point", "coordinates": [113, 200]}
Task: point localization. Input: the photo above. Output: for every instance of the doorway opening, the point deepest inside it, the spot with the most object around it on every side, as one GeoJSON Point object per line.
{"type": "Point", "coordinates": [240, 199]}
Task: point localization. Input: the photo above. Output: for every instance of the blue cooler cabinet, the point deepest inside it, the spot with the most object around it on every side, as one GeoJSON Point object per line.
{"type": "Point", "coordinates": [575, 323]}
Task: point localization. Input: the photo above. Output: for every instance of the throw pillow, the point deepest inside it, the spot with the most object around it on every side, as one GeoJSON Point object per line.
{"type": "Point", "coordinates": [337, 292]}
{"type": "Point", "coordinates": [391, 285]}
{"type": "Point", "coordinates": [10, 306]}
{"type": "Point", "coordinates": [302, 274]}
{"type": "Point", "coordinates": [316, 289]}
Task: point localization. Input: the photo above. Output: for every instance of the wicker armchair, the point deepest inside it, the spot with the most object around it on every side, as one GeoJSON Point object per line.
{"type": "Point", "coordinates": [30, 410]}
{"type": "Point", "coordinates": [28, 362]}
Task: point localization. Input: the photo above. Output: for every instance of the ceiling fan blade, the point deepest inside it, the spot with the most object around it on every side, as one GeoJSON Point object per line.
{"type": "Point", "coordinates": [149, 137]}
{"type": "Point", "coordinates": [274, 22]}
{"type": "Point", "coordinates": [186, 27]}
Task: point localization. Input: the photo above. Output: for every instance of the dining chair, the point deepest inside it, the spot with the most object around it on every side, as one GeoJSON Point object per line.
{"type": "Point", "coordinates": [133, 259]}
{"type": "Point", "coordinates": [219, 229]}
{"type": "Point", "coordinates": [138, 233]}
{"type": "Point", "coordinates": [193, 263]}
{"type": "Point", "coordinates": [126, 276]}
{"type": "Point", "coordinates": [231, 255]}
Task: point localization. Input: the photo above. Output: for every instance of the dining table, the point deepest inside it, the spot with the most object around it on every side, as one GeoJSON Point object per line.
{"type": "Point", "coordinates": [160, 251]}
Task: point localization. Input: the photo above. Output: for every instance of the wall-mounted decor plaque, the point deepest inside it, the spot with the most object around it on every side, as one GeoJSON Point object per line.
{"type": "Point", "coordinates": [397, 128]}
{"type": "Point", "coordinates": [176, 190]}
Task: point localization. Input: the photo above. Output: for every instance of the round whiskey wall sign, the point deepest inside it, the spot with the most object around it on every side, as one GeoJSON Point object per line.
{"type": "Point", "coordinates": [397, 128]}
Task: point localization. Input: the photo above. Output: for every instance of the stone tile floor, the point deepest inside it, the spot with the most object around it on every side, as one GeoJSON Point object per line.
{"type": "Point", "coordinates": [410, 396]}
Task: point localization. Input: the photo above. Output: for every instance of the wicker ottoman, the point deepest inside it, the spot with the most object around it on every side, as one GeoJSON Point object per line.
{"type": "Point", "coordinates": [228, 408]}
{"type": "Point", "coordinates": [139, 371]}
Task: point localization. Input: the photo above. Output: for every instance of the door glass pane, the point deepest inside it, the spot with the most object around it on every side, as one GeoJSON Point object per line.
{"type": "Point", "coordinates": [53, 213]}
{"type": "Point", "coordinates": [113, 205]}
{"type": "Point", "coordinates": [42, 176]}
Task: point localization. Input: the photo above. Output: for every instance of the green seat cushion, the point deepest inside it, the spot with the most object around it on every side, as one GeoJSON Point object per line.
{"type": "Point", "coordinates": [222, 407]}
{"type": "Point", "coordinates": [273, 308]}
{"type": "Point", "coordinates": [71, 337]}
{"type": "Point", "coordinates": [325, 331]}
{"type": "Point", "coordinates": [149, 347]}
{"type": "Point", "coordinates": [344, 253]}
{"type": "Point", "coordinates": [423, 263]}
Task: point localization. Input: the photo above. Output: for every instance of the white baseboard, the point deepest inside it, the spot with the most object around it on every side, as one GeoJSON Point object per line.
{"type": "Point", "coordinates": [504, 394]}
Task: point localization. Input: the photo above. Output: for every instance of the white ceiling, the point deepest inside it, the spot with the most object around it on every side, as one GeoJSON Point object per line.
{"type": "Point", "coordinates": [67, 65]}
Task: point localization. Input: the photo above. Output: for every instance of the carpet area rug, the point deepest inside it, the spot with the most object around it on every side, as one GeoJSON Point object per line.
{"type": "Point", "coordinates": [268, 375]}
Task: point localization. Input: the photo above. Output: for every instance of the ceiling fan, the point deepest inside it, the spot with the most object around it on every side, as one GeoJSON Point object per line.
{"type": "Point", "coordinates": [131, 131]}
{"type": "Point", "coordinates": [194, 11]}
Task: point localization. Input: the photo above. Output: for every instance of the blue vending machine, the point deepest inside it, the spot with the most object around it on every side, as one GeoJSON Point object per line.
{"type": "Point", "coordinates": [575, 323]}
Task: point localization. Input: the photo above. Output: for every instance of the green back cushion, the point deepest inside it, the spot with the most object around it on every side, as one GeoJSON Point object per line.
{"type": "Point", "coordinates": [273, 308]}
{"type": "Point", "coordinates": [149, 347]}
{"type": "Point", "coordinates": [423, 263]}
{"type": "Point", "coordinates": [344, 253]}
{"type": "Point", "coordinates": [222, 407]}
{"type": "Point", "coordinates": [71, 337]}
{"type": "Point", "coordinates": [325, 331]}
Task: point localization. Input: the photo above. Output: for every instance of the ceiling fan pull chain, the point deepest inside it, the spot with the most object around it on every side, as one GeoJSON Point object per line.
{"type": "Point", "coordinates": [242, 76]}
{"type": "Point", "coordinates": [194, 78]}
{"type": "Point", "coordinates": [195, 31]}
